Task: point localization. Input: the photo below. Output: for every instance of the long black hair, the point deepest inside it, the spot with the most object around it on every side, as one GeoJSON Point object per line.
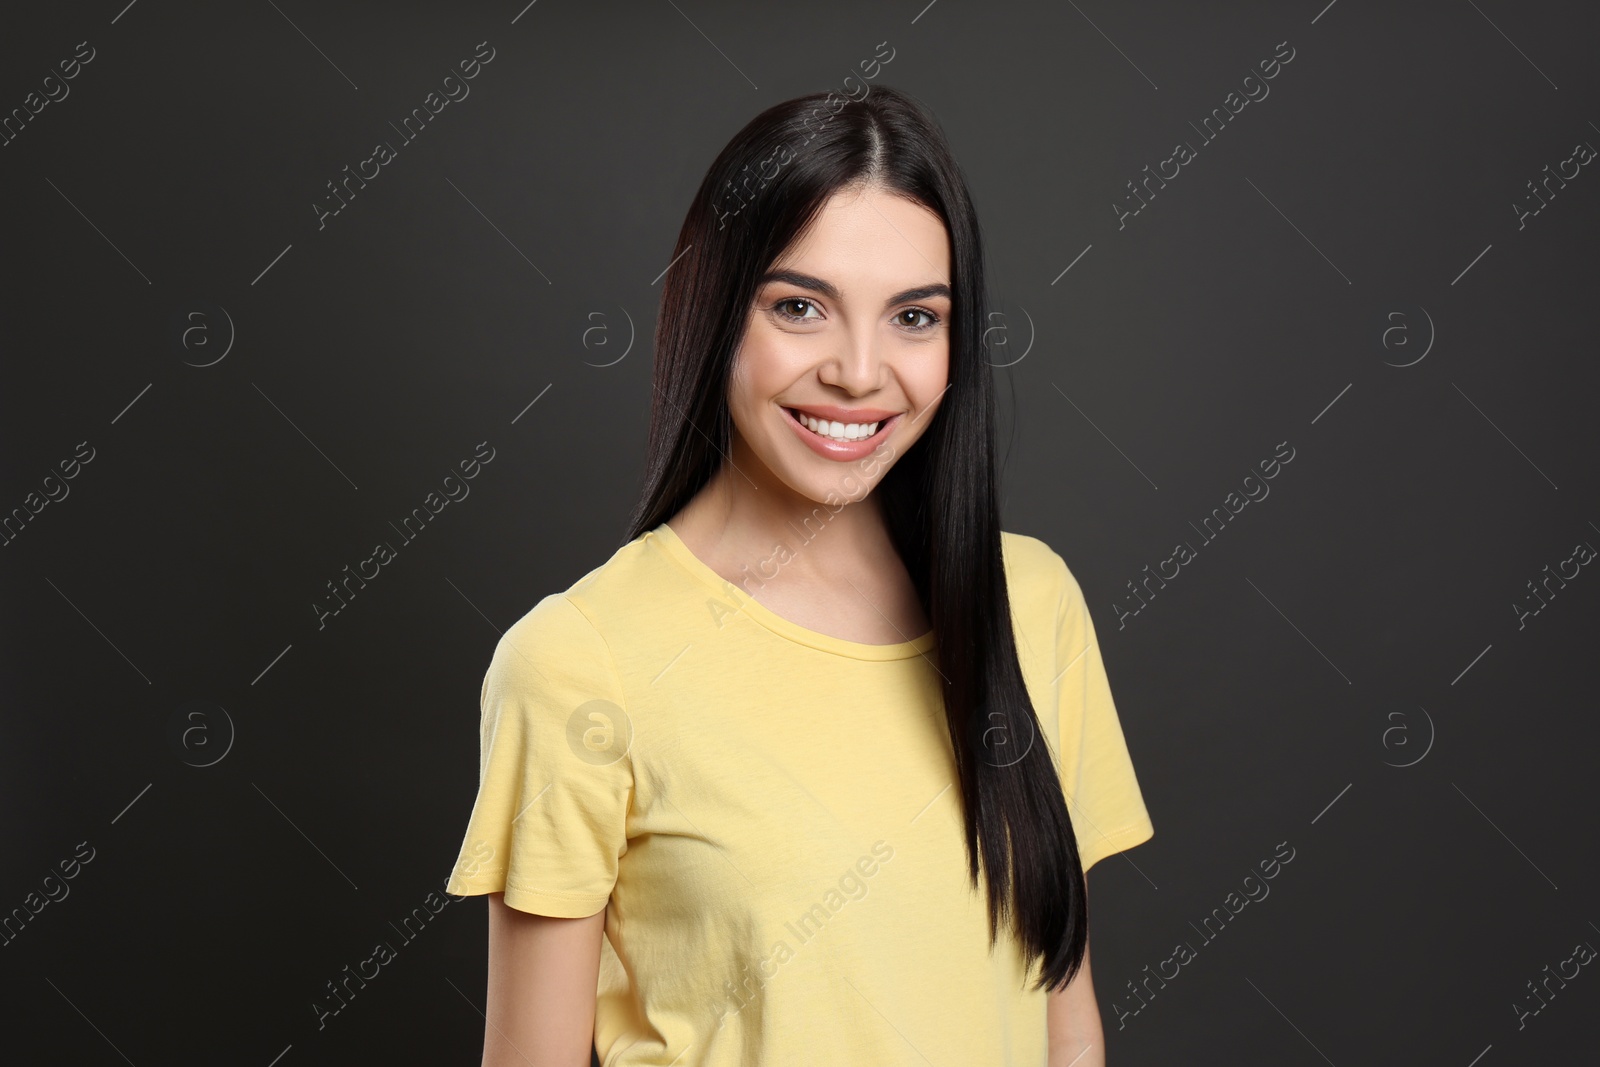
{"type": "Point", "coordinates": [939, 499]}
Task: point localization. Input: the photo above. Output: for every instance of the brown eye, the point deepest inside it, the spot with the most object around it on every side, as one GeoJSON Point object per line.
{"type": "Point", "coordinates": [791, 302]}
{"type": "Point", "coordinates": [933, 320]}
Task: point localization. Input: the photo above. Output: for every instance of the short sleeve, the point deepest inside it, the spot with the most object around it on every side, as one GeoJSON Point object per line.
{"type": "Point", "coordinates": [555, 778]}
{"type": "Point", "coordinates": [1103, 798]}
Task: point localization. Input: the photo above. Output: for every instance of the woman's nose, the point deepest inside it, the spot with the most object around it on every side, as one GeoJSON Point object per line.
{"type": "Point", "coordinates": [855, 365]}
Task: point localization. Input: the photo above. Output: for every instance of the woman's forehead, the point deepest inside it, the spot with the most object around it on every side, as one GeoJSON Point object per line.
{"type": "Point", "coordinates": [871, 245]}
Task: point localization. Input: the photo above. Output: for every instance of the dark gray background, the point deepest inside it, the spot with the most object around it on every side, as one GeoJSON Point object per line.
{"type": "Point", "coordinates": [1359, 617]}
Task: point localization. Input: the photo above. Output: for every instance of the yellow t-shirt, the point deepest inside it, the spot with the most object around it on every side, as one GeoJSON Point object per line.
{"type": "Point", "coordinates": [770, 816]}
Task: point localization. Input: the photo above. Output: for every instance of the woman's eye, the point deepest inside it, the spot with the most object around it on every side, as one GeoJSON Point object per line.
{"type": "Point", "coordinates": [793, 301]}
{"type": "Point", "coordinates": [797, 309]}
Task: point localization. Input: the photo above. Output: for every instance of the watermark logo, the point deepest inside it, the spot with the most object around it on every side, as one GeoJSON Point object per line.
{"type": "Point", "coordinates": [1402, 348]}
{"type": "Point", "coordinates": [1404, 738]}
{"type": "Point", "coordinates": [456, 90]}
{"type": "Point", "coordinates": [343, 988]}
{"type": "Point", "coordinates": [455, 489]}
{"type": "Point", "coordinates": [52, 889]}
{"type": "Point", "coordinates": [1003, 737]}
{"type": "Point", "coordinates": [998, 342]}
{"type": "Point", "coordinates": [52, 490]}
{"type": "Point", "coordinates": [1526, 1008]}
{"type": "Point", "coordinates": [201, 732]}
{"type": "Point", "coordinates": [731, 203]}
{"type": "Point", "coordinates": [201, 333]}
{"type": "Point", "coordinates": [1255, 489]}
{"type": "Point", "coordinates": [55, 90]}
{"type": "Point", "coordinates": [599, 732]}
{"type": "Point", "coordinates": [597, 337]}
{"type": "Point", "coordinates": [1542, 192]}
{"type": "Point", "coordinates": [1211, 126]}
{"type": "Point", "coordinates": [805, 928]}
{"type": "Point", "coordinates": [1543, 590]}
{"type": "Point", "coordinates": [1254, 889]}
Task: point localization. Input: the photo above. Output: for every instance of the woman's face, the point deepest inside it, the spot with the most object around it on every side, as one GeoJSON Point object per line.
{"type": "Point", "coordinates": [851, 326]}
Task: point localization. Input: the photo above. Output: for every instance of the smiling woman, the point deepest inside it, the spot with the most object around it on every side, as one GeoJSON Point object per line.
{"type": "Point", "coordinates": [672, 769]}
{"type": "Point", "coordinates": [824, 306]}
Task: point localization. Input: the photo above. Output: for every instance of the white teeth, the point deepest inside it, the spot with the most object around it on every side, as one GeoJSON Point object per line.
{"type": "Point", "coordinates": [839, 431]}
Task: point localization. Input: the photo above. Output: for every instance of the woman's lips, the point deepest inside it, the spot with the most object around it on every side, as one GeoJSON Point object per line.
{"type": "Point", "coordinates": [828, 448]}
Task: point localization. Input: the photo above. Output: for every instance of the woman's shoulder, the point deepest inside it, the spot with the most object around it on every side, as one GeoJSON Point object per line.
{"type": "Point", "coordinates": [576, 620]}
{"type": "Point", "coordinates": [1031, 561]}
{"type": "Point", "coordinates": [1041, 586]}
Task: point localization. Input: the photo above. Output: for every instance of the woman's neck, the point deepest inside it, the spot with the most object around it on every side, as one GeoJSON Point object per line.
{"type": "Point", "coordinates": [740, 519]}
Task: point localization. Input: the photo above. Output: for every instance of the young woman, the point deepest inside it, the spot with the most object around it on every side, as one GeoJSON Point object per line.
{"type": "Point", "coordinates": [810, 769]}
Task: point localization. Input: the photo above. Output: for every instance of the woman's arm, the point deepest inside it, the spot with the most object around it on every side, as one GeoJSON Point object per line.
{"type": "Point", "coordinates": [1076, 1037]}
{"type": "Point", "coordinates": [543, 973]}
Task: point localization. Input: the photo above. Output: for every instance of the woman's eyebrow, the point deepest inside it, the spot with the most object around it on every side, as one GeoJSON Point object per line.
{"type": "Point", "coordinates": [831, 291]}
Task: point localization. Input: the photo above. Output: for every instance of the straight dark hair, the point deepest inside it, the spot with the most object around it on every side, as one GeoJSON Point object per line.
{"type": "Point", "coordinates": [939, 498]}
